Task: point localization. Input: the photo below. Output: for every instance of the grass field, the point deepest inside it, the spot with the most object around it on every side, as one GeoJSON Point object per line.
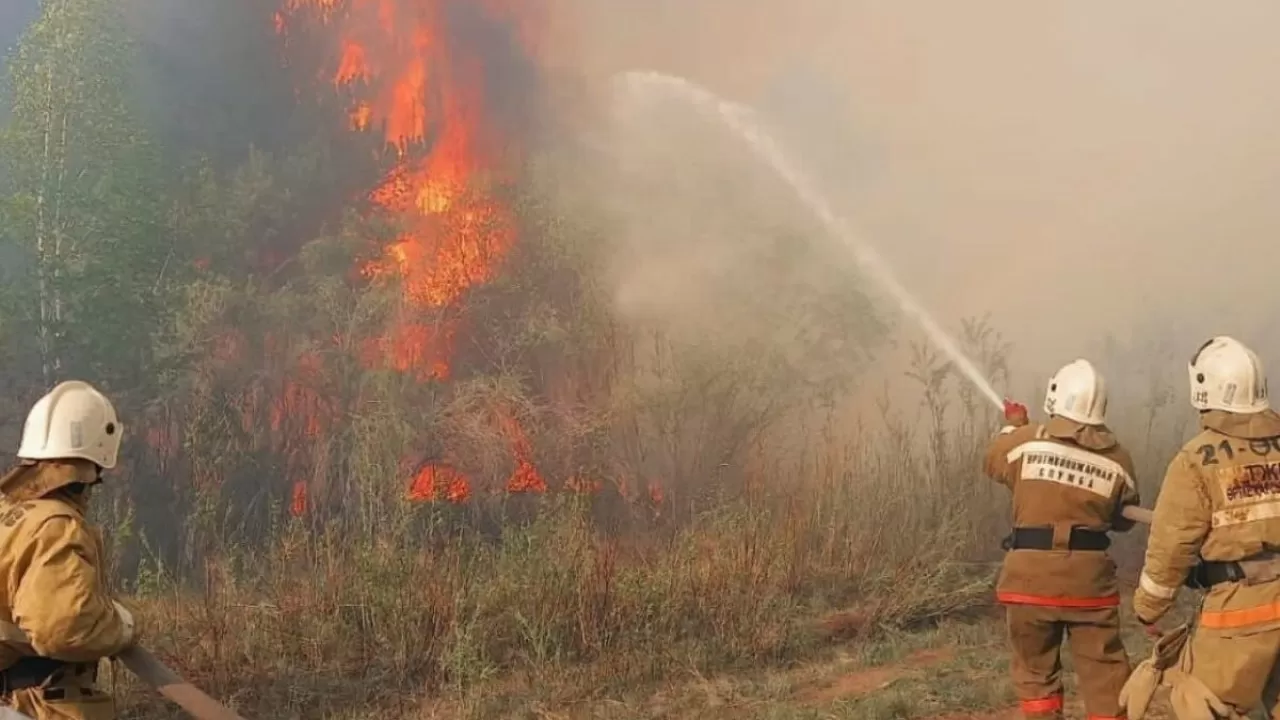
{"type": "Point", "coordinates": [954, 669]}
{"type": "Point", "coordinates": [862, 591]}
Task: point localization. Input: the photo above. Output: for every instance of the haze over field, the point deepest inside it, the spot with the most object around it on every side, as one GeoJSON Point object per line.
{"type": "Point", "coordinates": [1075, 170]}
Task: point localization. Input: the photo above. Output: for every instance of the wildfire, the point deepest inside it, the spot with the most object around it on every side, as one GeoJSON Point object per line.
{"type": "Point", "coordinates": [424, 90]}
{"type": "Point", "coordinates": [416, 348]}
{"type": "Point", "coordinates": [525, 478]}
{"type": "Point", "coordinates": [434, 481]}
{"type": "Point", "coordinates": [298, 505]}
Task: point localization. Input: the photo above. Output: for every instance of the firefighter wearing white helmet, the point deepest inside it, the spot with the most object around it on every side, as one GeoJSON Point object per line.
{"type": "Point", "coordinates": [1071, 480]}
{"type": "Point", "coordinates": [1078, 393]}
{"type": "Point", "coordinates": [1216, 528]}
{"type": "Point", "coordinates": [54, 591]}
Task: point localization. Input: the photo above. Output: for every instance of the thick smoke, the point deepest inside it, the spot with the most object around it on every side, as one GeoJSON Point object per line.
{"type": "Point", "coordinates": [1096, 177]}
{"type": "Point", "coordinates": [512, 84]}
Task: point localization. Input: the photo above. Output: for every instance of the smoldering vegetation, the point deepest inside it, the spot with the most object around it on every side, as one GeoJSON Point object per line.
{"type": "Point", "coordinates": [551, 402]}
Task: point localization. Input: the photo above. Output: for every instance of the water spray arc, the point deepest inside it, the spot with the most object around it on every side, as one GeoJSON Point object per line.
{"type": "Point", "coordinates": [741, 120]}
{"type": "Point", "coordinates": [637, 84]}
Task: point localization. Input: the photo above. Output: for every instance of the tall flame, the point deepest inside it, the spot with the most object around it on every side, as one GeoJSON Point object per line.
{"type": "Point", "coordinates": [424, 90]}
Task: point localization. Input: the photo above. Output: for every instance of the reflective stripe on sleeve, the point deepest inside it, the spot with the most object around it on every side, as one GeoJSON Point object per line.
{"type": "Point", "coordinates": [1155, 589]}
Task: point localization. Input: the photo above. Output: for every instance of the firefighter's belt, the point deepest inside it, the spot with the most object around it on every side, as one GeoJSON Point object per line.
{"type": "Point", "coordinates": [1041, 538]}
{"type": "Point", "coordinates": [31, 672]}
{"type": "Point", "coordinates": [1256, 570]}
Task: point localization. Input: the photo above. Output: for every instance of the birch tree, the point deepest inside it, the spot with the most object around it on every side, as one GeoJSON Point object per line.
{"type": "Point", "coordinates": [82, 211]}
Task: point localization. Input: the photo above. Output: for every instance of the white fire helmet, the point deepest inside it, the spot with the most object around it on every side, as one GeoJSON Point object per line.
{"type": "Point", "coordinates": [73, 421]}
{"type": "Point", "coordinates": [1227, 375]}
{"type": "Point", "coordinates": [1077, 392]}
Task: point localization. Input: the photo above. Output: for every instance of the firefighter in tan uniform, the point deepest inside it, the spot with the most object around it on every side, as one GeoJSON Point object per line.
{"type": "Point", "coordinates": [1071, 480]}
{"type": "Point", "coordinates": [57, 619]}
{"type": "Point", "coordinates": [1217, 526]}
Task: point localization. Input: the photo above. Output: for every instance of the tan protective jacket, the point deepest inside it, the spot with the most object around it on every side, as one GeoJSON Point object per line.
{"type": "Point", "coordinates": [51, 580]}
{"type": "Point", "coordinates": [1063, 474]}
{"type": "Point", "coordinates": [1220, 501]}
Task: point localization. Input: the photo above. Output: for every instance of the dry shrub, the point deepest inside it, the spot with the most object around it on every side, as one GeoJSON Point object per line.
{"type": "Point", "coordinates": [328, 621]}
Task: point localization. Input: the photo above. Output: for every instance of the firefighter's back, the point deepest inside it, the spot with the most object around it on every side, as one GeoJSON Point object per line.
{"type": "Point", "coordinates": [1065, 500]}
{"type": "Point", "coordinates": [1239, 477]}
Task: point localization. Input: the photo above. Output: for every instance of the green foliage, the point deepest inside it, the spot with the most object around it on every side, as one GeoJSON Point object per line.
{"type": "Point", "coordinates": [83, 212]}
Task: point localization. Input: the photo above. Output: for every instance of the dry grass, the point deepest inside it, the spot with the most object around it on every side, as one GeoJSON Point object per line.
{"type": "Point", "coordinates": [318, 626]}
{"type": "Point", "coordinates": [553, 607]}
{"type": "Point", "coordinates": [326, 622]}
{"type": "Point", "coordinates": [780, 538]}
{"type": "Point", "coordinates": [954, 670]}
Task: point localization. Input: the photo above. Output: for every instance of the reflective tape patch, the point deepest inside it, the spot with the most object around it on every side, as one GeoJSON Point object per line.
{"type": "Point", "coordinates": [1082, 603]}
{"type": "Point", "coordinates": [1252, 493]}
{"type": "Point", "coordinates": [1269, 510]}
{"type": "Point", "coordinates": [1228, 619]}
{"type": "Point", "coordinates": [1251, 482]}
{"type": "Point", "coordinates": [1155, 589]}
{"type": "Point", "coordinates": [1076, 467]}
{"type": "Point", "coordinates": [1041, 706]}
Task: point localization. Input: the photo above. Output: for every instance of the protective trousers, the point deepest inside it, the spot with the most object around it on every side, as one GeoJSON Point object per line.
{"type": "Point", "coordinates": [1241, 666]}
{"type": "Point", "coordinates": [71, 698]}
{"type": "Point", "coordinates": [1102, 666]}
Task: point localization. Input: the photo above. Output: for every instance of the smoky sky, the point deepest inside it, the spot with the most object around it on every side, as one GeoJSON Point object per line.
{"type": "Point", "coordinates": [1097, 178]}
{"type": "Point", "coordinates": [15, 15]}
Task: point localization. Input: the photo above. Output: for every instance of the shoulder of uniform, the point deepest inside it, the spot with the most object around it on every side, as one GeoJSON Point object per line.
{"type": "Point", "coordinates": [1205, 435]}
{"type": "Point", "coordinates": [1025, 437]}
{"type": "Point", "coordinates": [1024, 432]}
{"type": "Point", "coordinates": [1119, 452]}
{"type": "Point", "coordinates": [1012, 438]}
{"type": "Point", "coordinates": [35, 513]}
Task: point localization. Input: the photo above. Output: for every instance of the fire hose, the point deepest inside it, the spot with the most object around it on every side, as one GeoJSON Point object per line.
{"type": "Point", "coordinates": [157, 675]}
{"type": "Point", "coordinates": [151, 671]}
{"type": "Point", "coordinates": [1137, 514]}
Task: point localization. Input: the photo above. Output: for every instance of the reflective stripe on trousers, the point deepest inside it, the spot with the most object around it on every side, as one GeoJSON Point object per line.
{"type": "Point", "coordinates": [1009, 598]}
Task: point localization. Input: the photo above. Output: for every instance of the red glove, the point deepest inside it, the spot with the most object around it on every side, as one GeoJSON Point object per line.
{"type": "Point", "coordinates": [1015, 413]}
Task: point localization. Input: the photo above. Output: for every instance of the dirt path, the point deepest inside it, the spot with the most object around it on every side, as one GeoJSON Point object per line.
{"type": "Point", "coordinates": [869, 680]}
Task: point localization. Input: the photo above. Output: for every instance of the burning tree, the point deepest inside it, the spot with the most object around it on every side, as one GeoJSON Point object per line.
{"type": "Point", "coordinates": [416, 78]}
{"type": "Point", "coordinates": [369, 312]}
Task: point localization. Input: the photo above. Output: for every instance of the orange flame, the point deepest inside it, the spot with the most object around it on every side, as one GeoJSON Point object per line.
{"type": "Point", "coordinates": [300, 400]}
{"type": "Point", "coordinates": [413, 81]}
{"type": "Point", "coordinates": [298, 507]}
{"type": "Point", "coordinates": [434, 481]}
{"type": "Point", "coordinates": [412, 348]}
{"type": "Point", "coordinates": [423, 90]}
{"type": "Point", "coordinates": [656, 495]}
{"type": "Point", "coordinates": [525, 477]}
